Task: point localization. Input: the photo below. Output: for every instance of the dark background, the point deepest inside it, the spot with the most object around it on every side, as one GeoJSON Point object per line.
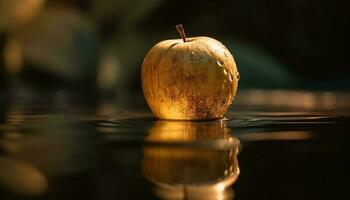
{"type": "Point", "coordinates": [99, 45]}
{"type": "Point", "coordinates": [51, 50]}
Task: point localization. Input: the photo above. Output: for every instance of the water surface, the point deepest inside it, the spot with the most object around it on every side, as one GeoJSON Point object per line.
{"type": "Point", "coordinates": [111, 151]}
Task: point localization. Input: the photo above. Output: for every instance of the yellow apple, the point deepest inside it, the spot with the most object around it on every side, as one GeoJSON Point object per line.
{"type": "Point", "coordinates": [189, 79]}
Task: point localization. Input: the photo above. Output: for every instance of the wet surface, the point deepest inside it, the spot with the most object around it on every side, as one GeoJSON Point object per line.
{"type": "Point", "coordinates": [257, 152]}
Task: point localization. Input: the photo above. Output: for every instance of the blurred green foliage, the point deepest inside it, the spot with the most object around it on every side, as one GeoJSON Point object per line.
{"type": "Point", "coordinates": [99, 45]}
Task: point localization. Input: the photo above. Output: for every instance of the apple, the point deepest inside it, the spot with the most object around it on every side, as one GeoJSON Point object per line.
{"type": "Point", "coordinates": [189, 79]}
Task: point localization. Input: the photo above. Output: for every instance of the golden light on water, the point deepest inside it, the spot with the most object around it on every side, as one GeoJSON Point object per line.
{"type": "Point", "coordinates": [191, 160]}
{"type": "Point", "coordinates": [22, 178]}
{"type": "Point", "coordinates": [186, 131]}
{"type": "Point", "coordinates": [219, 191]}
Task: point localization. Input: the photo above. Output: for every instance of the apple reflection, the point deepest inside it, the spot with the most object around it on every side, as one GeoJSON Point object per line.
{"type": "Point", "coordinates": [191, 160]}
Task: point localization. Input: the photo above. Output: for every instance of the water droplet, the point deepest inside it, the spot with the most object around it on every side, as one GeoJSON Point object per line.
{"type": "Point", "coordinates": [225, 71]}
{"type": "Point", "coordinates": [230, 77]}
{"type": "Point", "coordinates": [237, 76]}
{"type": "Point", "coordinates": [192, 52]}
{"type": "Point", "coordinates": [226, 172]}
{"type": "Point", "coordinates": [220, 63]}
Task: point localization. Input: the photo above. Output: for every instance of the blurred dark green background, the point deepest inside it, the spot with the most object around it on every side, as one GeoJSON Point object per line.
{"type": "Point", "coordinates": [97, 46]}
{"type": "Point", "coordinates": [72, 110]}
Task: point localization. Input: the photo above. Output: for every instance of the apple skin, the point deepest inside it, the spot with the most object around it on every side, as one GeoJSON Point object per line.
{"type": "Point", "coordinates": [195, 79]}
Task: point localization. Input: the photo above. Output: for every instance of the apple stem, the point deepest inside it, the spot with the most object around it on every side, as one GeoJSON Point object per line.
{"type": "Point", "coordinates": [181, 31]}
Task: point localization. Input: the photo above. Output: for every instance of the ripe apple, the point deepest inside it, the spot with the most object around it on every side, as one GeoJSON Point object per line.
{"type": "Point", "coordinates": [189, 79]}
